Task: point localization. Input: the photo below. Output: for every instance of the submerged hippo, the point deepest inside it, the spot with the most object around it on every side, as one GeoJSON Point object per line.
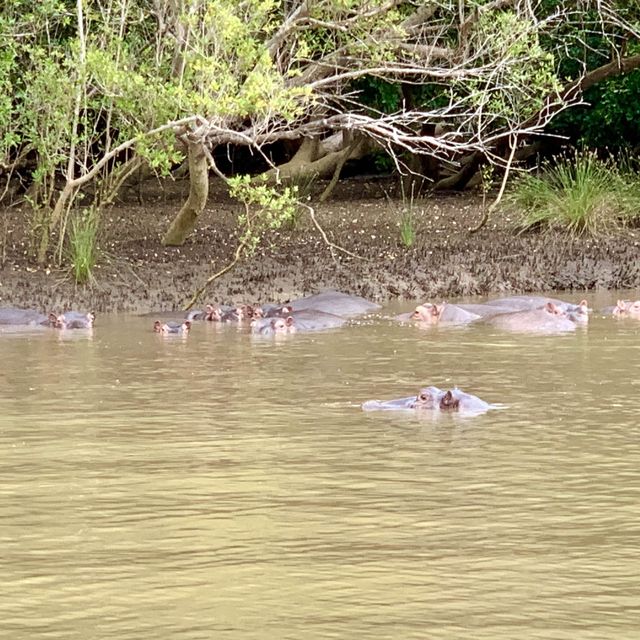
{"type": "Point", "coordinates": [432, 399]}
{"type": "Point", "coordinates": [29, 317]}
{"type": "Point", "coordinates": [275, 310]}
{"type": "Point", "coordinates": [440, 314]}
{"type": "Point", "coordinates": [72, 320]}
{"type": "Point", "coordinates": [210, 313]}
{"type": "Point", "coordinates": [527, 303]}
{"type": "Point", "coordinates": [549, 319]}
{"type": "Point", "coordinates": [627, 309]}
{"type": "Point", "coordinates": [303, 321]}
{"type": "Point", "coordinates": [166, 328]}
{"type": "Point", "coordinates": [334, 302]}
{"type": "Point", "coordinates": [272, 326]}
{"type": "Point", "coordinates": [11, 316]}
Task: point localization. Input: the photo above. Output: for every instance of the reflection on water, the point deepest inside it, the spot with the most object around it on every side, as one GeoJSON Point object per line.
{"type": "Point", "coordinates": [228, 487]}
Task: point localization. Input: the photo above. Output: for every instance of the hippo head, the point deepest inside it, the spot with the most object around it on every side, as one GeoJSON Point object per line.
{"type": "Point", "coordinates": [72, 320]}
{"type": "Point", "coordinates": [448, 402]}
{"type": "Point", "coordinates": [212, 314]}
{"type": "Point", "coordinates": [427, 398]}
{"type": "Point", "coordinates": [554, 310]}
{"type": "Point", "coordinates": [427, 312]}
{"type": "Point", "coordinates": [249, 311]}
{"type": "Point", "coordinates": [283, 325]}
{"type": "Point", "coordinates": [277, 325]}
{"type": "Point", "coordinates": [627, 308]}
{"type": "Point", "coordinates": [171, 327]}
{"type": "Point", "coordinates": [579, 313]}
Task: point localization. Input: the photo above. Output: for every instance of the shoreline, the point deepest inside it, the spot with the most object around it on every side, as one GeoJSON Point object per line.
{"type": "Point", "coordinates": [138, 275]}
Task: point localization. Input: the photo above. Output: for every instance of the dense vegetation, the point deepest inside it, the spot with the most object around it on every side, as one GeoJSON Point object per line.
{"type": "Point", "coordinates": [94, 93]}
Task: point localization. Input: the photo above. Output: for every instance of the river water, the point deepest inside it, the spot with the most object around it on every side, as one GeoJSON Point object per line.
{"type": "Point", "coordinates": [225, 486]}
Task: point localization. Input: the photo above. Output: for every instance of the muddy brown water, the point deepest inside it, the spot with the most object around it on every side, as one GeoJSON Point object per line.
{"type": "Point", "coordinates": [231, 487]}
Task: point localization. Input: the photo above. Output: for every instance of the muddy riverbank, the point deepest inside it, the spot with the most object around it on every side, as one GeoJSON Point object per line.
{"type": "Point", "coordinates": [137, 274]}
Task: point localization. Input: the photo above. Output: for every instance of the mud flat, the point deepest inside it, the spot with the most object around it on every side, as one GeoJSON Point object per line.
{"type": "Point", "coordinates": [137, 274]}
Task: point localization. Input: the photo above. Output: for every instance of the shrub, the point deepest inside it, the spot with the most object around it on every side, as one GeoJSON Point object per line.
{"type": "Point", "coordinates": [582, 194]}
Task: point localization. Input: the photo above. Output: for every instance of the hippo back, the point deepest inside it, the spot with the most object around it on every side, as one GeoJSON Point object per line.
{"type": "Point", "coordinates": [335, 302]}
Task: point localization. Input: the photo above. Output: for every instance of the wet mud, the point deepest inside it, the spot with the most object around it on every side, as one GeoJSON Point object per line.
{"type": "Point", "coordinates": [137, 274]}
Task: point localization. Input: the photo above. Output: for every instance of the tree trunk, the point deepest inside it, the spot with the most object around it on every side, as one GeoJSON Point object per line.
{"type": "Point", "coordinates": [319, 159]}
{"type": "Point", "coordinates": [184, 223]}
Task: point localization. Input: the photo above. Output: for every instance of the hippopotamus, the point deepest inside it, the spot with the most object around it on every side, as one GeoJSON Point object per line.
{"type": "Point", "coordinates": [274, 310]}
{"type": "Point", "coordinates": [627, 309]}
{"type": "Point", "coordinates": [240, 313]}
{"type": "Point", "coordinates": [210, 313]}
{"type": "Point", "coordinates": [72, 320]}
{"type": "Point", "coordinates": [226, 313]}
{"type": "Point", "coordinates": [304, 320]}
{"type": "Point", "coordinates": [334, 302]}
{"type": "Point", "coordinates": [526, 303]}
{"type": "Point", "coordinates": [30, 317]}
{"type": "Point", "coordinates": [433, 399]}
{"type": "Point", "coordinates": [578, 313]}
{"type": "Point", "coordinates": [166, 328]}
{"type": "Point", "coordinates": [549, 319]}
{"type": "Point", "coordinates": [440, 314]}
{"type": "Point", "coordinates": [272, 326]}
{"type": "Point", "coordinates": [25, 317]}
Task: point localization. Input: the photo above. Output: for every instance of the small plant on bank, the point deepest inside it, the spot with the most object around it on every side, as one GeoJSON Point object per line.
{"type": "Point", "coordinates": [83, 246]}
{"type": "Point", "coordinates": [583, 194]}
{"type": "Point", "coordinates": [407, 221]}
{"type": "Point", "coordinates": [407, 227]}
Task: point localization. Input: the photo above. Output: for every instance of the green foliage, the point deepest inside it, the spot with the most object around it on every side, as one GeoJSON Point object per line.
{"type": "Point", "coordinates": [611, 119]}
{"type": "Point", "coordinates": [378, 94]}
{"type": "Point", "coordinates": [582, 194]}
{"type": "Point", "coordinates": [266, 209]}
{"type": "Point", "coordinates": [407, 228]}
{"type": "Point", "coordinates": [83, 249]}
{"type": "Point", "coordinates": [516, 90]}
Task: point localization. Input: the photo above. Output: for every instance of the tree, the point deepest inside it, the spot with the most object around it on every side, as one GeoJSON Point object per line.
{"type": "Point", "coordinates": [124, 82]}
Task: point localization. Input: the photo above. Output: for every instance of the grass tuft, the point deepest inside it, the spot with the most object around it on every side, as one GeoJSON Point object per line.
{"type": "Point", "coordinates": [407, 227]}
{"type": "Point", "coordinates": [582, 194]}
{"type": "Point", "coordinates": [83, 246]}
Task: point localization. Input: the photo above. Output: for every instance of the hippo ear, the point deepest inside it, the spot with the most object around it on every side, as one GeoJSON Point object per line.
{"type": "Point", "coordinates": [436, 309]}
{"type": "Point", "coordinates": [91, 316]}
{"type": "Point", "coordinates": [621, 305]}
{"type": "Point", "coordinates": [551, 308]}
{"type": "Point", "coordinates": [289, 321]}
{"type": "Point", "coordinates": [157, 326]}
{"type": "Point", "coordinates": [209, 308]}
{"type": "Point", "coordinates": [187, 324]}
{"type": "Point", "coordinates": [583, 303]}
{"type": "Point", "coordinates": [53, 319]}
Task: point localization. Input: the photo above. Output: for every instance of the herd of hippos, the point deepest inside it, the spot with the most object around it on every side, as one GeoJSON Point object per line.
{"type": "Point", "coordinates": [333, 309]}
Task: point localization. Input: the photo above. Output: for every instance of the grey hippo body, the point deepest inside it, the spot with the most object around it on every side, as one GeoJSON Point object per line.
{"type": "Point", "coordinates": [433, 399]}
{"type": "Point", "coordinates": [518, 313]}
{"type": "Point", "coordinates": [305, 320]}
{"type": "Point", "coordinates": [334, 302]}
{"type": "Point", "coordinates": [12, 316]}
{"type": "Point", "coordinates": [549, 319]}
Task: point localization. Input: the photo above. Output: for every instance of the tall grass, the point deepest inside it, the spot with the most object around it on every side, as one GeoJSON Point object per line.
{"type": "Point", "coordinates": [83, 246]}
{"type": "Point", "coordinates": [407, 227]}
{"type": "Point", "coordinates": [582, 194]}
{"type": "Point", "coordinates": [407, 222]}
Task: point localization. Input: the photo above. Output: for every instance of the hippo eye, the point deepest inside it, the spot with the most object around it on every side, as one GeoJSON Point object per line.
{"type": "Point", "coordinates": [423, 396]}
